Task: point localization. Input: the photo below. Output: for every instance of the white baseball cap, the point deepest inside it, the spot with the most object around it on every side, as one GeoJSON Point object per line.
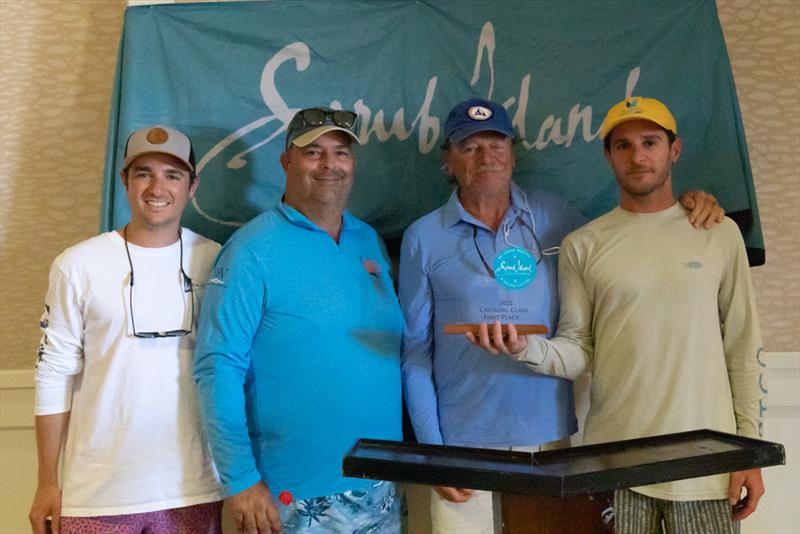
{"type": "Point", "coordinates": [159, 139]}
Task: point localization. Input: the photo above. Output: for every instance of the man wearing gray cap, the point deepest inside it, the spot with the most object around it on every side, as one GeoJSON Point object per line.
{"type": "Point", "coordinates": [113, 375]}
{"type": "Point", "coordinates": [489, 255]}
{"type": "Point", "coordinates": [299, 349]}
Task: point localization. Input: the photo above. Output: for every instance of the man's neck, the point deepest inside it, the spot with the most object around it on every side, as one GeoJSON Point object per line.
{"type": "Point", "coordinates": [327, 217]}
{"type": "Point", "coordinates": [150, 237]}
{"type": "Point", "coordinates": [646, 204]}
{"type": "Point", "coordinates": [488, 210]}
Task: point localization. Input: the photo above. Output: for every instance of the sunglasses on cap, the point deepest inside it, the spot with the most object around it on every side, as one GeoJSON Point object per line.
{"type": "Point", "coordinates": [301, 130]}
{"type": "Point", "coordinates": [318, 117]}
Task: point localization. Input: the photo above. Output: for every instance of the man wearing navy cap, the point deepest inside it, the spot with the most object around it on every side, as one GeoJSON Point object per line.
{"type": "Point", "coordinates": [489, 255]}
{"type": "Point", "coordinates": [299, 349]}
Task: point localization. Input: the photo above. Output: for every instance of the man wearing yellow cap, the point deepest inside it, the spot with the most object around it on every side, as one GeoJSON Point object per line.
{"type": "Point", "coordinates": [664, 318]}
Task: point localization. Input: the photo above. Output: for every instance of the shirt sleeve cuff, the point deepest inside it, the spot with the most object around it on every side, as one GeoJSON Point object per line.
{"type": "Point", "coordinates": [242, 483]}
{"type": "Point", "coordinates": [535, 354]}
{"type": "Point", "coordinates": [53, 398]}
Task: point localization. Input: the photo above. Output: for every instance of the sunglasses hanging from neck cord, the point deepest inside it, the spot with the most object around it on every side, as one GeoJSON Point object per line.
{"type": "Point", "coordinates": [187, 288]}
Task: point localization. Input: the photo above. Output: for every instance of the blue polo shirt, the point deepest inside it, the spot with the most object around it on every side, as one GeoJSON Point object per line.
{"type": "Point", "coordinates": [297, 353]}
{"type": "Point", "coordinates": [457, 393]}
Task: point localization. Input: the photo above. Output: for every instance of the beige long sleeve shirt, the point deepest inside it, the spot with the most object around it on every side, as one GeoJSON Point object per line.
{"type": "Point", "coordinates": [663, 316]}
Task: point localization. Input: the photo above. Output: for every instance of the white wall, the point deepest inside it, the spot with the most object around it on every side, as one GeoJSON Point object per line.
{"type": "Point", "coordinates": [778, 513]}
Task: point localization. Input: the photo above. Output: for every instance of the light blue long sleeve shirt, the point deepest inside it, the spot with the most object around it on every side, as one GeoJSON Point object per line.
{"type": "Point", "coordinates": [298, 353]}
{"type": "Point", "coordinates": [457, 393]}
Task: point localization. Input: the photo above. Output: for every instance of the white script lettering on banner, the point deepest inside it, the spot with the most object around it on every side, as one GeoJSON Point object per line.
{"type": "Point", "coordinates": [428, 128]}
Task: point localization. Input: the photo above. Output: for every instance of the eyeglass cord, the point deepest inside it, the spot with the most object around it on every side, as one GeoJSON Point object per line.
{"type": "Point", "coordinates": [187, 282]}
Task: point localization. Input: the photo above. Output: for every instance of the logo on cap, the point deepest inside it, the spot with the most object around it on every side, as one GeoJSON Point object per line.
{"type": "Point", "coordinates": [479, 113]}
{"type": "Point", "coordinates": [157, 136]}
{"type": "Point", "coordinates": [631, 108]}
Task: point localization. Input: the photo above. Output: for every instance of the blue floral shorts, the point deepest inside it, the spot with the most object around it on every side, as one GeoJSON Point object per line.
{"type": "Point", "coordinates": [377, 509]}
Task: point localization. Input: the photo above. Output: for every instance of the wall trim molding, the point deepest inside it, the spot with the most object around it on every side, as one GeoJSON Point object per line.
{"type": "Point", "coordinates": [782, 360]}
{"type": "Point", "coordinates": [16, 378]}
{"type": "Point", "coordinates": [23, 378]}
{"type": "Point", "coordinates": [17, 389]}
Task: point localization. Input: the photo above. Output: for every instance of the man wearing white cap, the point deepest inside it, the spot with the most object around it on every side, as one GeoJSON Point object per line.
{"type": "Point", "coordinates": [113, 376]}
{"type": "Point", "coordinates": [299, 349]}
{"type": "Point", "coordinates": [664, 319]}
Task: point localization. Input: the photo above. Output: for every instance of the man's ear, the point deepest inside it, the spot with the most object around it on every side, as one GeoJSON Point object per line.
{"type": "Point", "coordinates": [445, 163]}
{"type": "Point", "coordinates": [194, 185]}
{"type": "Point", "coordinates": [124, 176]}
{"type": "Point", "coordinates": [285, 157]}
{"type": "Point", "coordinates": [675, 150]}
{"type": "Point", "coordinates": [607, 154]}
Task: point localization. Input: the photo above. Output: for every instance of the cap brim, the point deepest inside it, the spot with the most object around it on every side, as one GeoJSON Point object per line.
{"type": "Point", "coordinates": [129, 159]}
{"type": "Point", "coordinates": [311, 135]}
{"type": "Point", "coordinates": [605, 130]}
{"type": "Point", "coordinates": [462, 133]}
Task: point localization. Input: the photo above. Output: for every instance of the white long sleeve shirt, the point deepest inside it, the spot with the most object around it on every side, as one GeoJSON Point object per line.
{"type": "Point", "coordinates": [134, 441]}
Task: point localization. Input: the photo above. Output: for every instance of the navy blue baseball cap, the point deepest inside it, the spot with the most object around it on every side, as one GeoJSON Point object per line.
{"type": "Point", "coordinates": [477, 115]}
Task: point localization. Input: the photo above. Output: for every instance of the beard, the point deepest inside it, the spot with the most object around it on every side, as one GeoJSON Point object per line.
{"type": "Point", "coordinates": [641, 185]}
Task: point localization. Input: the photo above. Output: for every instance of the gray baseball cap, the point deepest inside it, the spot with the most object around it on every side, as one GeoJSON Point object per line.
{"type": "Point", "coordinates": [159, 139]}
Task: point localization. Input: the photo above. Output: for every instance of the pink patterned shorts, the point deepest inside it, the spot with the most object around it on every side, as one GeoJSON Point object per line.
{"type": "Point", "coordinates": [197, 519]}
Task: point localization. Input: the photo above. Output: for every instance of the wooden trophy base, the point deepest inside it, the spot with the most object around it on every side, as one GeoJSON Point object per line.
{"type": "Point", "coordinates": [534, 514]}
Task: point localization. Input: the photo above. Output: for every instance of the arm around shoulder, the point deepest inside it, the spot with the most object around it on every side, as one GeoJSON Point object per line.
{"type": "Point", "coordinates": [704, 210]}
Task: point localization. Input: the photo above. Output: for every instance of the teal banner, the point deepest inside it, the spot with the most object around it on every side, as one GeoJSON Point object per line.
{"type": "Point", "coordinates": [231, 75]}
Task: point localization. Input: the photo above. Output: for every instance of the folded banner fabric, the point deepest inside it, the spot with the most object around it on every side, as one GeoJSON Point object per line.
{"type": "Point", "coordinates": [231, 75]}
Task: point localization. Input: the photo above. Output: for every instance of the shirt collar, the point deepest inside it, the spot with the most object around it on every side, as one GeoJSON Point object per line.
{"type": "Point", "coordinates": [298, 219]}
{"type": "Point", "coordinates": [454, 211]}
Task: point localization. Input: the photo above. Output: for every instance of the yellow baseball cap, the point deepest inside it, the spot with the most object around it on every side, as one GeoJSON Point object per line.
{"type": "Point", "coordinates": [637, 107]}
